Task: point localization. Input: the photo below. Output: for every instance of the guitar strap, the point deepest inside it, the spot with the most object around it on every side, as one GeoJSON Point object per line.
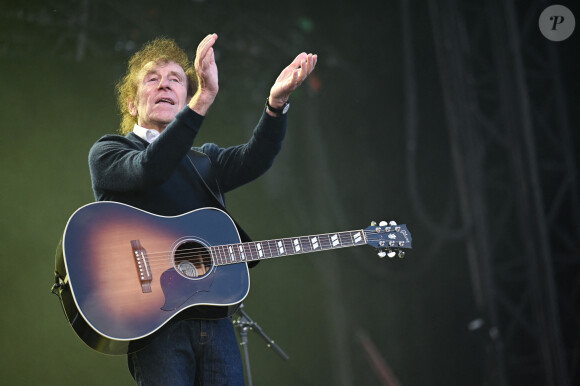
{"type": "Point", "coordinates": [60, 275]}
{"type": "Point", "coordinates": [203, 169]}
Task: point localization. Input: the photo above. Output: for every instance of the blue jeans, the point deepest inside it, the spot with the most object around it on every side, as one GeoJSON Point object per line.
{"type": "Point", "coordinates": [190, 352]}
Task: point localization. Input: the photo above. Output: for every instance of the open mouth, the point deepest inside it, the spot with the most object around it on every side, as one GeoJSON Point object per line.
{"type": "Point", "coordinates": [165, 100]}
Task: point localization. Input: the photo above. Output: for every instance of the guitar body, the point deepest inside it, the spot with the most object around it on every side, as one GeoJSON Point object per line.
{"type": "Point", "coordinates": [131, 272]}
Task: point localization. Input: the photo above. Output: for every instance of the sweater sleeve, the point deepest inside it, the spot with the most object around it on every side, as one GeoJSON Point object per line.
{"type": "Point", "coordinates": [120, 164]}
{"type": "Point", "coordinates": [238, 165]}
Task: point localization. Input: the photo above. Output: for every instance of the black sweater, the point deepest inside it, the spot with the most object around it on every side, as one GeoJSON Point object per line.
{"type": "Point", "coordinates": [160, 179]}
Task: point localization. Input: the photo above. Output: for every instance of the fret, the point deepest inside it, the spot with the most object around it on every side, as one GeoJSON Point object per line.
{"type": "Point", "coordinates": [248, 251]}
{"type": "Point", "coordinates": [334, 240]}
{"type": "Point", "coordinates": [273, 249]}
{"type": "Point", "coordinates": [331, 241]}
{"type": "Point", "coordinates": [259, 250]}
{"type": "Point", "coordinates": [345, 239]}
{"type": "Point", "coordinates": [217, 254]}
{"type": "Point", "coordinates": [296, 245]}
{"type": "Point", "coordinates": [214, 251]}
{"type": "Point", "coordinates": [289, 243]}
{"type": "Point", "coordinates": [266, 249]}
{"type": "Point", "coordinates": [269, 252]}
{"type": "Point", "coordinates": [305, 244]}
{"type": "Point", "coordinates": [280, 247]}
{"type": "Point", "coordinates": [251, 253]}
{"type": "Point", "coordinates": [314, 243]}
{"type": "Point", "coordinates": [326, 242]}
{"type": "Point", "coordinates": [224, 255]}
{"type": "Point", "coordinates": [308, 245]}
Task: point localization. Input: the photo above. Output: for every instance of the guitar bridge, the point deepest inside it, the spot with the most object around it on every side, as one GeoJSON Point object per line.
{"type": "Point", "coordinates": [142, 263]}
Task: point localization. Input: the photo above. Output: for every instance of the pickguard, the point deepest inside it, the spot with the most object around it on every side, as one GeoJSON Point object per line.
{"type": "Point", "coordinates": [178, 290]}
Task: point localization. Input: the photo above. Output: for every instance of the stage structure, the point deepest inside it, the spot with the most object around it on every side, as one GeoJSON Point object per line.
{"type": "Point", "coordinates": [510, 138]}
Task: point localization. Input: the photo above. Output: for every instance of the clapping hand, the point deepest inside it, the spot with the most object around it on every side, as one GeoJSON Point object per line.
{"type": "Point", "coordinates": [207, 75]}
{"type": "Point", "coordinates": [290, 78]}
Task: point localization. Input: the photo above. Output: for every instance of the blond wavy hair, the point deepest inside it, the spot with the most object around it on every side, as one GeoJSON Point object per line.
{"type": "Point", "coordinates": [160, 50]}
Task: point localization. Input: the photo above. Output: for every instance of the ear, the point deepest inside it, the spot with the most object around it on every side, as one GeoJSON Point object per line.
{"type": "Point", "coordinates": [132, 108]}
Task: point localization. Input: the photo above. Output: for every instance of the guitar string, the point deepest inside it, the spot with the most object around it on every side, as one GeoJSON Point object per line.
{"type": "Point", "coordinates": [208, 262]}
{"type": "Point", "coordinates": [248, 247]}
{"type": "Point", "coordinates": [166, 258]}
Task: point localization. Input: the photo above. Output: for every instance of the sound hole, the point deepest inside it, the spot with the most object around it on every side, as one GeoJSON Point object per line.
{"type": "Point", "coordinates": [192, 259]}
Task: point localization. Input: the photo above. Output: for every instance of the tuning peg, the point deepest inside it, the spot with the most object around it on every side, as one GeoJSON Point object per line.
{"type": "Point", "coordinates": [383, 224]}
{"type": "Point", "coordinates": [391, 254]}
{"type": "Point", "coordinates": [392, 223]}
{"type": "Point", "coordinates": [382, 254]}
{"type": "Point", "coordinates": [401, 254]}
{"type": "Point", "coordinates": [373, 223]}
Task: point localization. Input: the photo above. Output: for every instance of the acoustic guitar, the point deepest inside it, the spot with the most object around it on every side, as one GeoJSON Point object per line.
{"type": "Point", "coordinates": [128, 272]}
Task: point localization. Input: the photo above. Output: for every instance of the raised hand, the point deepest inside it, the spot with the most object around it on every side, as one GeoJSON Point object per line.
{"type": "Point", "coordinates": [207, 75]}
{"type": "Point", "coordinates": [291, 77]}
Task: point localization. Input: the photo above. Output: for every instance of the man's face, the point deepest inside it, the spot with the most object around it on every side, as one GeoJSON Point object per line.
{"type": "Point", "coordinates": [161, 94]}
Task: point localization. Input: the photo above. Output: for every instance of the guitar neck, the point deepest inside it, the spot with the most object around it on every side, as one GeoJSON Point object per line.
{"type": "Point", "coordinates": [261, 250]}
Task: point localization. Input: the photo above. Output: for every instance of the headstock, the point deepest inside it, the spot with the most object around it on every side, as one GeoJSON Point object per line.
{"type": "Point", "coordinates": [389, 238]}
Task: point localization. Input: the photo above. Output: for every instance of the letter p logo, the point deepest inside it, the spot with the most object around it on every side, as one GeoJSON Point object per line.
{"type": "Point", "coordinates": [557, 20]}
{"type": "Point", "coordinates": [557, 23]}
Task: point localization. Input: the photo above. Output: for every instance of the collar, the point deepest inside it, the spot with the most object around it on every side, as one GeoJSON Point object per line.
{"type": "Point", "coordinates": [148, 135]}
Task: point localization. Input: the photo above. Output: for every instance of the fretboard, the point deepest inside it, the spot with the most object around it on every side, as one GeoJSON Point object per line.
{"type": "Point", "coordinates": [260, 250]}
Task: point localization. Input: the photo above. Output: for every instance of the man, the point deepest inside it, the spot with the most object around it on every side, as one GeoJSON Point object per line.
{"type": "Point", "coordinates": [164, 99]}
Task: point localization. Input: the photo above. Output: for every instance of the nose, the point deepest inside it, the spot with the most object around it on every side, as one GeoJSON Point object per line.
{"type": "Point", "coordinates": [164, 82]}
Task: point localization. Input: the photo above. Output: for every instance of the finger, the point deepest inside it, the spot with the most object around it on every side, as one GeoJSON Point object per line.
{"type": "Point", "coordinates": [205, 45]}
{"type": "Point", "coordinates": [306, 64]}
{"type": "Point", "coordinates": [313, 59]}
{"type": "Point", "coordinates": [201, 46]}
{"type": "Point", "coordinates": [208, 40]}
{"type": "Point", "coordinates": [295, 80]}
{"type": "Point", "coordinates": [303, 71]}
{"type": "Point", "coordinates": [208, 58]}
{"type": "Point", "coordinates": [298, 60]}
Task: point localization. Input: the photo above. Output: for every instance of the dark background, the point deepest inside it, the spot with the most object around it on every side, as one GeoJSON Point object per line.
{"type": "Point", "coordinates": [344, 317]}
